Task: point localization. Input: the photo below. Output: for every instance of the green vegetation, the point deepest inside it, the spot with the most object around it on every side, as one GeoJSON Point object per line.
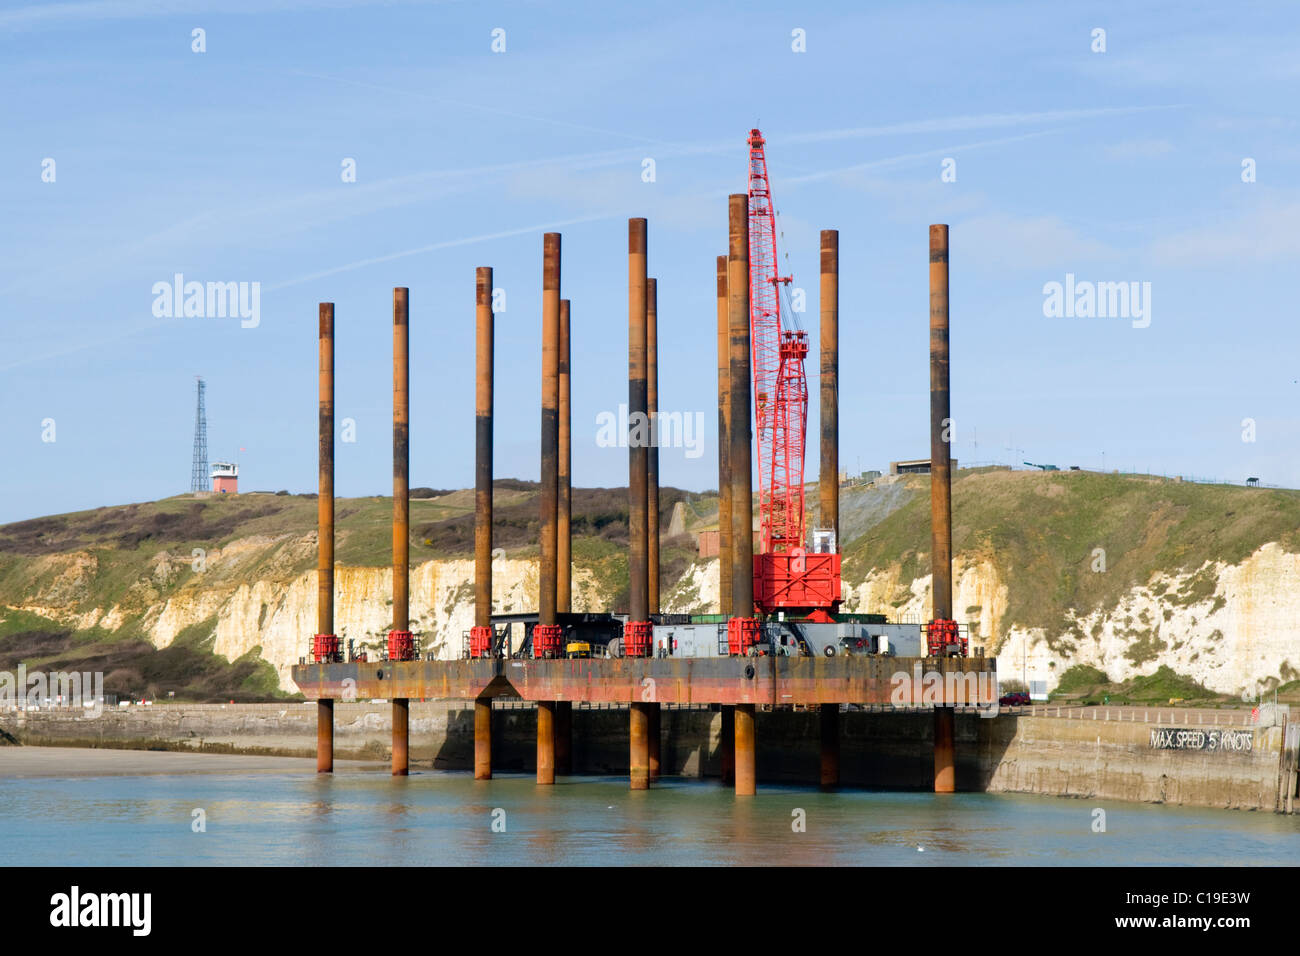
{"type": "Point", "coordinates": [1081, 679]}
{"type": "Point", "coordinates": [1042, 530]}
{"type": "Point", "coordinates": [1165, 685]}
{"type": "Point", "coordinates": [1082, 684]}
{"type": "Point", "coordinates": [132, 558]}
{"type": "Point", "coordinates": [1143, 645]}
{"type": "Point", "coordinates": [134, 667]}
{"type": "Point", "coordinates": [1289, 693]}
{"type": "Point", "coordinates": [1065, 543]}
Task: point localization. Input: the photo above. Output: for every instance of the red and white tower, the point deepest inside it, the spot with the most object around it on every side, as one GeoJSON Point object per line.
{"type": "Point", "coordinates": [225, 478]}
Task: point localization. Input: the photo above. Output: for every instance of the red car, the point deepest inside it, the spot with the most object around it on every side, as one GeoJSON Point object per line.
{"type": "Point", "coordinates": [1014, 699]}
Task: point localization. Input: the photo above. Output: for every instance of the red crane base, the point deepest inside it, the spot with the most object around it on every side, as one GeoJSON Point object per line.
{"type": "Point", "coordinates": [401, 646]}
{"type": "Point", "coordinates": [789, 581]}
{"type": "Point", "coordinates": [546, 640]}
{"type": "Point", "coordinates": [742, 634]}
{"type": "Point", "coordinates": [638, 638]}
{"type": "Point", "coordinates": [325, 649]}
{"type": "Point", "coordinates": [480, 641]}
{"type": "Point", "coordinates": [943, 638]}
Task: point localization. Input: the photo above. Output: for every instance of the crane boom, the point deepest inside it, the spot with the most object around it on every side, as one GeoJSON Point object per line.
{"type": "Point", "coordinates": [786, 577]}
{"type": "Point", "coordinates": [779, 411]}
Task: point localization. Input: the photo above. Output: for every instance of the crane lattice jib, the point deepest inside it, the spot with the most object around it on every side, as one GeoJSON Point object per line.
{"type": "Point", "coordinates": [765, 331]}
{"type": "Point", "coordinates": [790, 420]}
{"type": "Point", "coordinates": [786, 576]}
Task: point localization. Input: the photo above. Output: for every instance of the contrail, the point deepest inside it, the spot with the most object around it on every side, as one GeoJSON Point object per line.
{"type": "Point", "coordinates": [912, 127]}
{"type": "Point", "coordinates": [614, 157]}
{"type": "Point", "coordinates": [478, 107]}
{"type": "Point", "coordinates": [907, 157]}
{"type": "Point", "coordinates": [548, 227]}
{"type": "Point", "coordinates": [940, 125]}
{"type": "Point", "coordinates": [82, 346]}
{"type": "Point", "coordinates": [52, 14]}
{"type": "Point", "coordinates": [357, 200]}
{"type": "Point", "coordinates": [347, 267]}
{"type": "Point", "coordinates": [433, 247]}
{"type": "Point", "coordinates": [976, 121]}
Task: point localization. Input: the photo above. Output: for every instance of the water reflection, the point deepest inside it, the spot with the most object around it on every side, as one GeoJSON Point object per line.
{"type": "Point", "coordinates": [439, 817]}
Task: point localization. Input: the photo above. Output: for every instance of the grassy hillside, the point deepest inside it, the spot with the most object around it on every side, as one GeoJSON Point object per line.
{"type": "Point", "coordinates": [132, 556]}
{"type": "Point", "coordinates": [1087, 685]}
{"type": "Point", "coordinates": [1041, 530]}
{"type": "Point", "coordinates": [134, 666]}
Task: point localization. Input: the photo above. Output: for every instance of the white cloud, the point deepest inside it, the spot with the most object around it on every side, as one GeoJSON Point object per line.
{"type": "Point", "coordinates": [1044, 242]}
{"type": "Point", "coordinates": [1266, 233]}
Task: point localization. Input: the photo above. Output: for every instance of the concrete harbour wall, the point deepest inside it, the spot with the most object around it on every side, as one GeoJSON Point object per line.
{"type": "Point", "coordinates": [1237, 768]}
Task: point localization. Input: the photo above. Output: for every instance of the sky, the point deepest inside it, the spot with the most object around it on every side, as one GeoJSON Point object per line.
{"type": "Point", "coordinates": [1163, 152]}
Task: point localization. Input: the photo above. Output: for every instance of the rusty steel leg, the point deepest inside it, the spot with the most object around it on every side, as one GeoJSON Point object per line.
{"type": "Point", "coordinates": [830, 725]}
{"type": "Point", "coordinates": [945, 777]}
{"type": "Point", "coordinates": [654, 712]}
{"type": "Point", "coordinates": [401, 514]}
{"type": "Point", "coordinates": [728, 744]}
{"type": "Point", "coordinates": [483, 738]}
{"type": "Point", "coordinates": [325, 735]}
{"type": "Point", "coordinates": [401, 729]}
{"type": "Point", "coordinates": [325, 492]}
{"type": "Point", "coordinates": [483, 411]}
{"type": "Point", "coordinates": [564, 737]}
{"type": "Point", "coordinates": [401, 462]}
{"type": "Point", "coordinates": [828, 475]}
{"type": "Point", "coordinates": [940, 430]}
{"type": "Point", "coordinates": [563, 524]}
{"type": "Point", "coordinates": [724, 444]}
{"type": "Point", "coordinates": [652, 453]}
{"type": "Point", "coordinates": [550, 430]}
{"type": "Point", "coordinates": [325, 528]}
{"type": "Point", "coordinates": [546, 742]}
{"type": "Point", "coordinates": [639, 732]}
{"type": "Point", "coordinates": [547, 591]}
{"type": "Point", "coordinates": [941, 490]}
{"type": "Point", "coordinates": [742, 509]}
{"type": "Point", "coordinates": [638, 429]}
{"type": "Point", "coordinates": [744, 750]}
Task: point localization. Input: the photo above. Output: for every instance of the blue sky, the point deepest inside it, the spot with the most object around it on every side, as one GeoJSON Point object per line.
{"type": "Point", "coordinates": [1123, 165]}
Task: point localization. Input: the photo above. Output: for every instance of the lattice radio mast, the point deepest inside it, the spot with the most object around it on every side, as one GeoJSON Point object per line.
{"type": "Point", "coordinates": [199, 479]}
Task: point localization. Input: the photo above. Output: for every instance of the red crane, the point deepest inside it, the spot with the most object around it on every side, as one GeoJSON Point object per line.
{"type": "Point", "coordinates": [786, 577]}
{"type": "Point", "coordinates": [771, 358]}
